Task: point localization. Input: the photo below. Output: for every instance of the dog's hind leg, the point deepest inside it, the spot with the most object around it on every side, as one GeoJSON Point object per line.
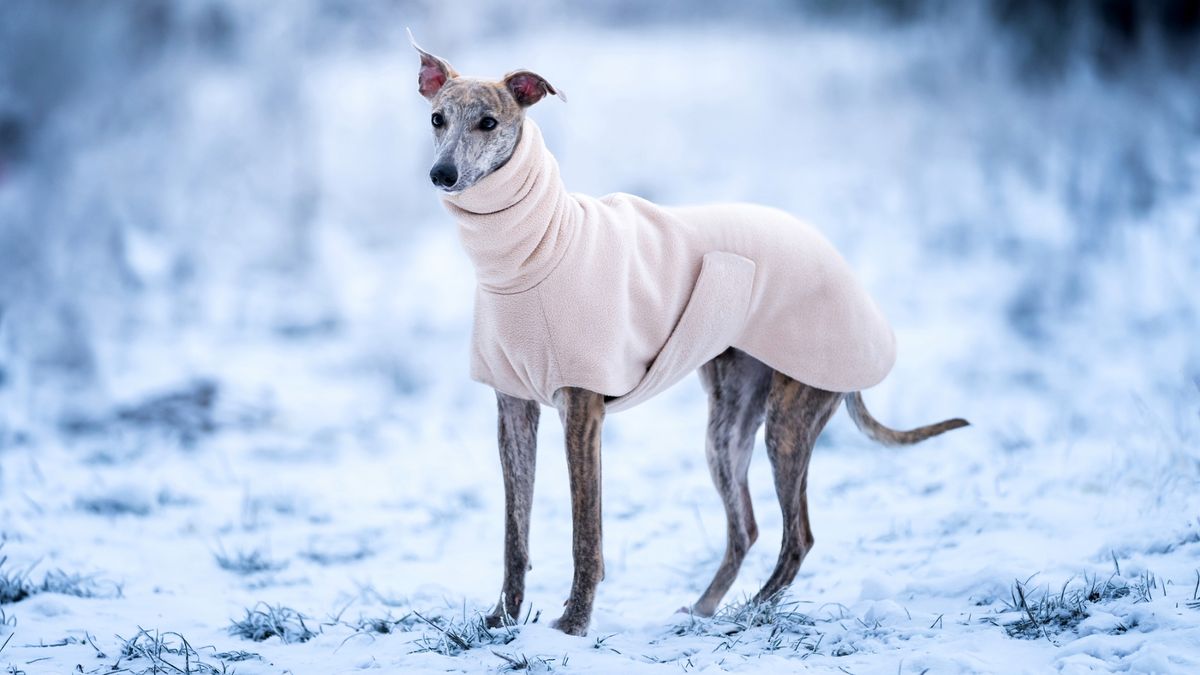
{"type": "Point", "coordinates": [796, 414]}
{"type": "Point", "coordinates": [737, 386]}
{"type": "Point", "coordinates": [517, 428]}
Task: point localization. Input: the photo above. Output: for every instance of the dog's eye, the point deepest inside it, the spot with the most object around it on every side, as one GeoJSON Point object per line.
{"type": "Point", "coordinates": [487, 123]}
{"type": "Point", "coordinates": [437, 120]}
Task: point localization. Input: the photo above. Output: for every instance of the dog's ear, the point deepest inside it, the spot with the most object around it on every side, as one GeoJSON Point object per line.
{"type": "Point", "coordinates": [529, 87]}
{"type": "Point", "coordinates": [434, 72]}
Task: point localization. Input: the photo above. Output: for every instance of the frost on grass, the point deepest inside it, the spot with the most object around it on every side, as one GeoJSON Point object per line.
{"type": "Point", "coordinates": [451, 636]}
{"type": "Point", "coordinates": [238, 655]}
{"type": "Point", "coordinates": [382, 625]}
{"type": "Point", "coordinates": [16, 585]}
{"type": "Point", "coordinates": [522, 662]}
{"type": "Point", "coordinates": [160, 652]}
{"type": "Point", "coordinates": [265, 621]}
{"type": "Point", "coordinates": [1032, 614]}
{"type": "Point", "coordinates": [774, 624]}
{"type": "Point", "coordinates": [446, 634]}
{"type": "Point", "coordinates": [248, 562]}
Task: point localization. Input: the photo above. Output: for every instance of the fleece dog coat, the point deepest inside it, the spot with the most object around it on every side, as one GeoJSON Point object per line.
{"type": "Point", "coordinates": [624, 298]}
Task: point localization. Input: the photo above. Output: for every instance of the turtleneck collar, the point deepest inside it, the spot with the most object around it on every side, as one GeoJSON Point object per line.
{"type": "Point", "coordinates": [517, 222]}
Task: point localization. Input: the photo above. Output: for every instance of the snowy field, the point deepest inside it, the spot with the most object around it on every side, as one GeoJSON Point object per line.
{"type": "Point", "coordinates": [237, 432]}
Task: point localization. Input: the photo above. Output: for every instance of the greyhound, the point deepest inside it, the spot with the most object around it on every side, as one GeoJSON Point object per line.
{"type": "Point", "coordinates": [477, 125]}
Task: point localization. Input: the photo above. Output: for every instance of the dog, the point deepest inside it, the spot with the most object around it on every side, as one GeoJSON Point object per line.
{"type": "Point", "coordinates": [590, 306]}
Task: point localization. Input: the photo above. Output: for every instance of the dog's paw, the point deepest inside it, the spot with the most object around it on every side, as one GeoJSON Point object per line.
{"type": "Point", "coordinates": [699, 610]}
{"type": "Point", "coordinates": [570, 625]}
{"type": "Point", "coordinates": [504, 613]}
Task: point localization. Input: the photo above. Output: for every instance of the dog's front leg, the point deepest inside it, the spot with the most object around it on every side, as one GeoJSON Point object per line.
{"type": "Point", "coordinates": [582, 414]}
{"type": "Point", "coordinates": [517, 429]}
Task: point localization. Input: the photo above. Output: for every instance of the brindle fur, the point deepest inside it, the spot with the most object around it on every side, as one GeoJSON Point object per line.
{"type": "Point", "coordinates": [517, 431]}
{"type": "Point", "coordinates": [891, 437]}
{"type": "Point", "coordinates": [737, 387]}
{"type": "Point", "coordinates": [742, 392]}
{"type": "Point", "coordinates": [463, 102]}
{"type": "Point", "coordinates": [796, 414]}
{"type": "Point", "coordinates": [582, 414]}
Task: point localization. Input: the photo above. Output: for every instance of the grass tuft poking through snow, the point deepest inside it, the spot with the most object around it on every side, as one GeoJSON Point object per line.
{"type": "Point", "coordinates": [522, 662]}
{"type": "Point", "coordinates": [384, 625]}
{"type": "Point", "coordinates": [1043, 614]}
{"type": "Point", "coordinates": [238, 655]}
{"type": "Point", "coordinates": [737, 617]}
{"type": "Point", "coordinates": [250, 562]}
{"type": "Point", "coordinates": [16, 585]}
{"type": "Point", "coordinates": [265, 621]}
{"type": "Point", "coordinates": [113, 505]}
{"type": "Point", "coordinates": [453, 636]}
{"type": "Point", "coordinates": [167, 652]}
{"type": "Point", "coordinates": [782, 625]}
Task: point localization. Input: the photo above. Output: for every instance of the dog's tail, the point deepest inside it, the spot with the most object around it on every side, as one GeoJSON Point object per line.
{"type": "Point", "coordinates": [891, 437]}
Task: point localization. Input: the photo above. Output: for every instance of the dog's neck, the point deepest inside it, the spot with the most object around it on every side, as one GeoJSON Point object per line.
{"type": "Point", "coordinates": [517, 222]}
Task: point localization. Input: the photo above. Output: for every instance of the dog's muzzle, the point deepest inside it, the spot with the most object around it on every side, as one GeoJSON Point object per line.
{"type": "Point", "coordinates": [444, 175]}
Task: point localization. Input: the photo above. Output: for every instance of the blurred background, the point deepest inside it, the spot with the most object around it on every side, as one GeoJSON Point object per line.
{"type": "Point", "coordinates": [1015, 179]}
{"type": "Point", "coordinates": [235, 317]}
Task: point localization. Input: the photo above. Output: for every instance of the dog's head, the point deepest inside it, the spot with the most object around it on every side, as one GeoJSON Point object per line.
{"type": "Point", "coordinates": [476, 122]}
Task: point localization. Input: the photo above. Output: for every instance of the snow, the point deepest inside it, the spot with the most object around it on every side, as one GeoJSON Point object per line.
{"type": "Point", "coordinates": [268, 229]}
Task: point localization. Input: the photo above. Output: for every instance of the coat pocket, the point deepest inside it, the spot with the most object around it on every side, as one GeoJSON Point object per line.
{"type": "Point", "coordinates": [712, 320]}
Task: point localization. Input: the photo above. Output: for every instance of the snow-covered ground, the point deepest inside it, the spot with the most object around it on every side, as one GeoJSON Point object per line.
{"type": "Point", "coordinates": [275, 369]}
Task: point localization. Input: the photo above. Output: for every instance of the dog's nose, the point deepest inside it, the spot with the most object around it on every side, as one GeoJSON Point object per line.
{"type": "Point", "coordinates": [444, 175]}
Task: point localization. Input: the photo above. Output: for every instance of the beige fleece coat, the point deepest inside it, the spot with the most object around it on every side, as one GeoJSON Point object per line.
{"type": "Point", "coordinates": [622, 297]}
